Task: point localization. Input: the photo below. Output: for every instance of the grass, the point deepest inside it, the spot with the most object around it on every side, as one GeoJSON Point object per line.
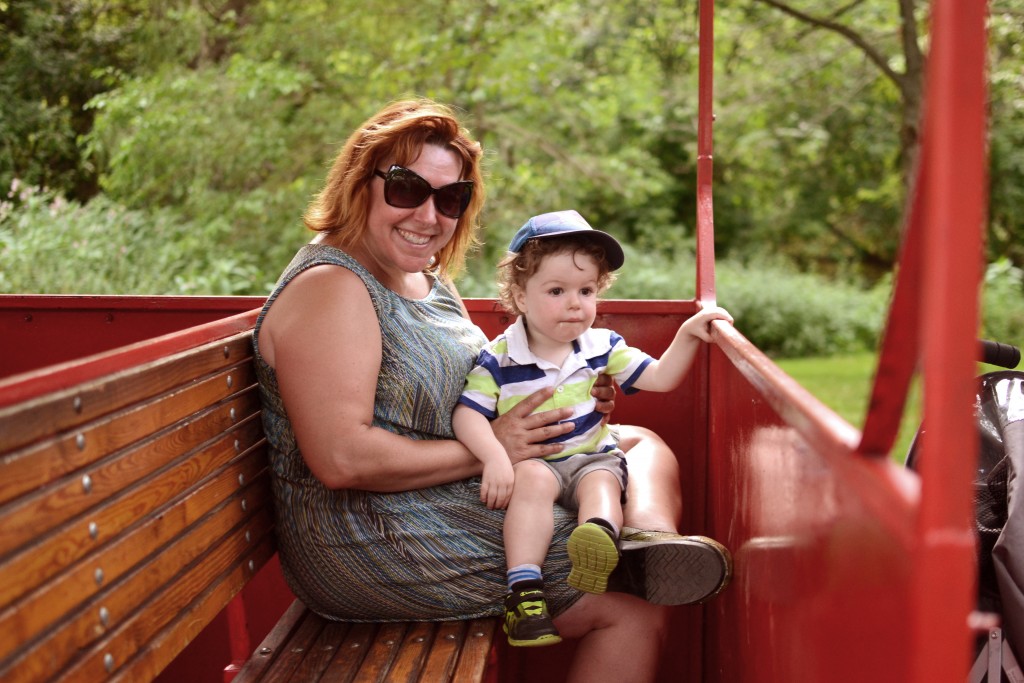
{"type": "Point", "coordinates": [843, 383]}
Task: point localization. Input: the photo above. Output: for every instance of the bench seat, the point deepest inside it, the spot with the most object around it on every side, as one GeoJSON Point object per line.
{"type": "Point", "coordinates": [306, 647]}
{"type": "Point", "coordinates": [135, 505]}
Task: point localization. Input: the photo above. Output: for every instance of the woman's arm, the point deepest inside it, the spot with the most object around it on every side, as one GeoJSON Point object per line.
{"type": "Point", "coordinates": [322, 337]}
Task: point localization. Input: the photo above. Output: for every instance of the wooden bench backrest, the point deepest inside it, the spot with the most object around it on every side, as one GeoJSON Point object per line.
{"type": "Point", "coordinates": [133, 507]}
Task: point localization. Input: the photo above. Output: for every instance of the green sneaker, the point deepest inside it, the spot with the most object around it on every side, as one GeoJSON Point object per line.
{"type": "Point", "coordinates": [668, 569]}
{"type": "Point", "coordinates": [594, 554]}
{"type": "Point", "coordinates": [527, 622]}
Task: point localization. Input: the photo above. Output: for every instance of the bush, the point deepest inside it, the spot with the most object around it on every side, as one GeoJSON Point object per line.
{"type": "Point", "coordinates": [791, 314]}
{"type": "Point", "coordinates": [785, 313]}
{"type": "Point", "coordinates": [1003, 304]}
{"type": "Point", "coordinates": [52, 246]}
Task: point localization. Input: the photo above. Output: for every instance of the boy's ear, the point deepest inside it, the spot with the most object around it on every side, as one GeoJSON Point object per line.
{"type": "Point", "coordinates": [519, 296]}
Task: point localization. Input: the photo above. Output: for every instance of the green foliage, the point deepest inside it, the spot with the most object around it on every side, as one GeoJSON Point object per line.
{"type": "Point", "coordinates": [48, 244]}
{"type": "Point", "coordinates": [792, 314]}
{"type": "Point", "coordinates": [1003, 304]}
{"type": "Point", "coordinates": [214, 124]}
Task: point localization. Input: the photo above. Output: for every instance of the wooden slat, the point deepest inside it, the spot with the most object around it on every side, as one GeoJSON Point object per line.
{"type": "Point", "coordinates": [444, 653]}
{"type": "Point", "coordinates": [183, 532]}
{"type": "Point", "coordinates": [40, 463]}
{"type": "Point", "coordinates": [145, 450]}
{"type": "Point", "coordinates": [162, 650]}
{"type": "Point", "coordinates": [26, 422]}
{"type": "Point", "coordinates": [413, 652]}
{"type": "Point", "coordinates": [41, 560]}
{"type": "Point", "coordinates": [476, 649]}
{"type": "Point", "coordinates": [268, 650]}
{"type": "Point", "coordinates": [351, 654]}
{"type": "Point", "coordinates": [155, 611]}
{"type": "Point", "coordinates": [382, 651]}
{"type": "Point", "coordinates": [291, 658]}
{"type": "Point", "coordinates": [306, 647]}
{"type": "Point", "coordinates": [323, 652]}
{"type": "Point", "coordinates": [42, 609]}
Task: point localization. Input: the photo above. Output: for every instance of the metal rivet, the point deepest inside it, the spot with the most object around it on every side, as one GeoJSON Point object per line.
{"type": "Point", "coordinates": [231, 381]}
{"type": "Point", "coordinates": [418, 639]}
{"type": "Point", "coordinates": [252, 566]}
{"type": "Point", "coordinates": [238, 445]}
{"type": "Point", "coordinates": [354, 646]}
{"type": "Point", "coordinates": [265, 650]}
{"type": "Point", "coordinates": [248, 536]}
{"type": "Point", "coordinates": [80, 441]}
{"type": "Point", "coordinates": [77, 404]}
{"type": "Point", "coordinates": [241, 480]}
{"type": "Point", "coordinates": [450, 636]}
{"type": "Point", "coordinates": [104, 616]}
{"type": "Point", "coordinates": [94, 531]}
{"type": "Point", "coordinates": [227, 352]}
{"type": "Point", "coordinates": [232, 414]}
{"type": "Point", "coordinates": [389, 641]}
{"type": "Point", "coordinates": [298, 649]}
{"type": "Point", "coordinates": [108, 662]}
{"type": "Point", "coordinates": [98, 575]}
{"type": "Point", "coordinates": [87, 484]}
{"type": "Point", "coordinates": [245, 505]}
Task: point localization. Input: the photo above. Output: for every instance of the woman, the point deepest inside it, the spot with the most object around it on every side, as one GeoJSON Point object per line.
{"type": "Point", "coordinates": [362, 350]}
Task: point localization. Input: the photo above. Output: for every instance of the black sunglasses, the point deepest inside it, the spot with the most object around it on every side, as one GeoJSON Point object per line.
{"type": "Point", "coordinates": [404, 189]}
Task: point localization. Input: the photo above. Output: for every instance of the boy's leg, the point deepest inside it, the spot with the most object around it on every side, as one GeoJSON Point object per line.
{"type": "Point", "coordinates": [593, 547]}
{"type": "Point", "coordinates": [529, 520]}
{"type": "Point", "coordinates": [529, 525]}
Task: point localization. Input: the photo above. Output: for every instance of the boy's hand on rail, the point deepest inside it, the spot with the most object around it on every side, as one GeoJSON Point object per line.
{"type": "Point", "coordinates": [699, 325]}
{"type": "Point", "coordinates": [521, 431]}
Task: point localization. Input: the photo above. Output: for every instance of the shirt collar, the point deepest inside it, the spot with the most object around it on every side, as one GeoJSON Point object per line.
{"type": "Point", "coordinates": [592, 343]}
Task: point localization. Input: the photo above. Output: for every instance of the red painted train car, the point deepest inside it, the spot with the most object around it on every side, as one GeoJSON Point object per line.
{"type": "Point", "coordinates": [848, 567]}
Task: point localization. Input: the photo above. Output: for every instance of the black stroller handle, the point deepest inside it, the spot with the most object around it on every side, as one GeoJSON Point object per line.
{"type": "Point", "coordinates": [997, 353]}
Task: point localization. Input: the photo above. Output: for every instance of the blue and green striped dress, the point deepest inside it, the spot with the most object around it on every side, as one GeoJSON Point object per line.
{"type": "Point", "coordinates": [427, 554]}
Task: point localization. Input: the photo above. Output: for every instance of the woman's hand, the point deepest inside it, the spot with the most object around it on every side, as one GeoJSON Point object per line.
{"type": "Point", "coordinates": [521, 431]}
{"type": "Point", "coordinates": [603, 392]}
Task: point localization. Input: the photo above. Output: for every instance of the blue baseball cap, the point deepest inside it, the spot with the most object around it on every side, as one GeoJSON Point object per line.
{"type": "Point", "coordinates": [567, 223]}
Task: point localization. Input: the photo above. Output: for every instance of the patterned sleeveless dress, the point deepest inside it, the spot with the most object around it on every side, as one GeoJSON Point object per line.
{"type": "Point", "coordinates": [429, 554]}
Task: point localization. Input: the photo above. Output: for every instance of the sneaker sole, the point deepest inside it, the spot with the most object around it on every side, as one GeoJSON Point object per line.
{"type": "Point", "coordinates": [681, 571]}
{"type": "Point", "coordinates": [536, 642]}
{"type": "Point", "coordinates": [593, 555]}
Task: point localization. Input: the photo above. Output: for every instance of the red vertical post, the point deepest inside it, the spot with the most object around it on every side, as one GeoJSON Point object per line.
{"type": "Point", "coordinates": [955, 211]}
{"type": "Point", "coordinates": [705, 119]}
{"type": "Point", "coordinates": [240, 642]}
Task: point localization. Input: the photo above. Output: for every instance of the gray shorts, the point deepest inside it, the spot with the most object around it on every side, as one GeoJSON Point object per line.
{"type": "Point", "coordinates": [570, 473]}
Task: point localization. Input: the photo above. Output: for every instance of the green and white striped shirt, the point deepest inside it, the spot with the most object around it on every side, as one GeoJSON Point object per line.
{"type": "Point", "coordinates": [506, 372]}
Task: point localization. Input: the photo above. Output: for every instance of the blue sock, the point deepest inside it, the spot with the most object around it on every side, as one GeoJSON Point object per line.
{"type": "Point", "coordinates": [523, 572]}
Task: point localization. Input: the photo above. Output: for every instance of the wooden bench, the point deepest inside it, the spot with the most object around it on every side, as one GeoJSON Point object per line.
{"type": "Point", "coordinates": [134, 506]}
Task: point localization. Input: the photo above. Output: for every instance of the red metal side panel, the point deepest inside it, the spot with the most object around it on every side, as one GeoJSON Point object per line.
{"type": "Point", "coordinates": [822, 540]}
{"type": "Point", "coordinates": [42, 330]}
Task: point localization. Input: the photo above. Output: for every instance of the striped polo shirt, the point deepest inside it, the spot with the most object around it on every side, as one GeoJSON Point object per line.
{"type": "Point", "coordinates": [506, 372]}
